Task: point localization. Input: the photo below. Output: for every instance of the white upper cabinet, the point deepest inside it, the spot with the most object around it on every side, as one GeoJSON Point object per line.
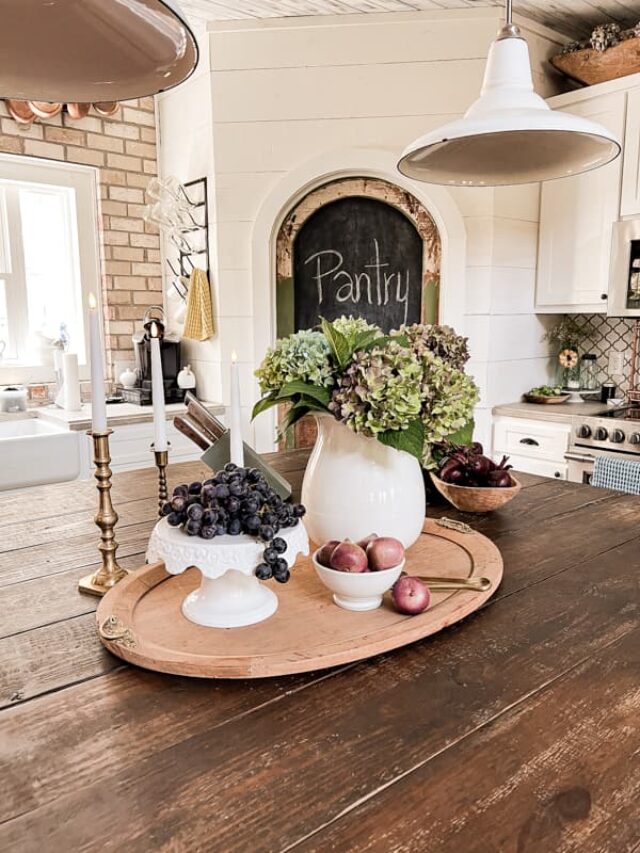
{"type": "Point", "coordinates": [576, 219]}
{"type": "Point", "coordinates": [630, 202]}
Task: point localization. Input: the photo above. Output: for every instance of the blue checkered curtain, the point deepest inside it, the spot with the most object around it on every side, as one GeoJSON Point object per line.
{"type": "Point", "coordinates": [622, 475]}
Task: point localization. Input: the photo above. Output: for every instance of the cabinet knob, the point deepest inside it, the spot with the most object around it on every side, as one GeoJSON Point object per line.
{"type": "Point", "coordinates": [604, 296]}
{"type": "Point", "coordinates": [557, 475]}
{"type": "Point", "coordinates": [530, 441]}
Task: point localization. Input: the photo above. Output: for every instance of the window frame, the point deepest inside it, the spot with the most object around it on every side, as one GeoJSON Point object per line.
{"type": "Point", "coordinates": [84, 181]}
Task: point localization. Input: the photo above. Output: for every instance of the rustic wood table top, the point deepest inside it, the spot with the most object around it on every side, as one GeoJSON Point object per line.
{"type": "Point", "coordinates": [515, 730]}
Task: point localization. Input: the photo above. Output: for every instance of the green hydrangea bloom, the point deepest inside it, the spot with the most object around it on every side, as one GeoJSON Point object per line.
{"type": "Point", "coordinates": [351, 327]}
{"type": "Point", "coordinates": [379, 390]}
{"type": "Point", "coordinates": [448, 399]}
{"type": "Point", "coordinates": [304, 356]}
{"type": "Point", "coordinates": [440, 340]}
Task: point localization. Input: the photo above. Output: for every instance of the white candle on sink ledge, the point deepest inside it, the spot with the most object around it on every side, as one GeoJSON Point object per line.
{"type": "Point", "coordinates": [98, 398]}
{"type": "Point", "coordinates": [157, 391]}
{"type": "Point", "coordinates": [235, 420]}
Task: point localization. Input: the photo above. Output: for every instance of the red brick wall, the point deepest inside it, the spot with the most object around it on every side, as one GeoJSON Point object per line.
{"type": "Point", "coordinates": [123, 148]}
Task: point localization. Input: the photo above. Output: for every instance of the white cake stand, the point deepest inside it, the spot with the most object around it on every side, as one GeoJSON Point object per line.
{"type": "Point", "coordinates": [229, 595]}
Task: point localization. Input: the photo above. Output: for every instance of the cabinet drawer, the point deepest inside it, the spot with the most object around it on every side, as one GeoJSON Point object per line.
{"type": "Point", "coordinates": [541, 467]}
{"type": "Point", "coordinates": [533, 439]}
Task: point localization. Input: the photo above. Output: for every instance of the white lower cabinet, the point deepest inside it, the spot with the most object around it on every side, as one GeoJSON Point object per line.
{"type": "Point", "coordinates": [541, 467]}
{"type": "Point", "coordinates": [130, 447]}
{"type": "Point", "coordinates": [537, 447]}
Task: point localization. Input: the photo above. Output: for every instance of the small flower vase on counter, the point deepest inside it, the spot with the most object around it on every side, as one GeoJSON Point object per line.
{"type": "Point", "coordinates": [569, 361]}
{"type": "Point", "coordinates": [354, 485]}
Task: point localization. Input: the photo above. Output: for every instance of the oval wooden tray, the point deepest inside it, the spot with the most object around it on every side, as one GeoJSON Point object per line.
{"type": "Point", "coordinates": [140, 619]}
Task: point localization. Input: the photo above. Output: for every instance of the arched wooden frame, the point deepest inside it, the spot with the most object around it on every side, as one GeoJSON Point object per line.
{"type": "Point", "coordinates": [375, 188]}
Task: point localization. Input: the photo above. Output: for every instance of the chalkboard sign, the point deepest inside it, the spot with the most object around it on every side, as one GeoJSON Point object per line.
{"type": "Point", "coordinates": [361, 257]}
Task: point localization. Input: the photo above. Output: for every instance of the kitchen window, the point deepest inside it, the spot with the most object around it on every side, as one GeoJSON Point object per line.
{"type": "Point", "coordinates": [49, 263]}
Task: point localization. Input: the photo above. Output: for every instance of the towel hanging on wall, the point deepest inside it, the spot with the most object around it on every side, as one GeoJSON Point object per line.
{"type": "Point", "coordinates": [198, 323]}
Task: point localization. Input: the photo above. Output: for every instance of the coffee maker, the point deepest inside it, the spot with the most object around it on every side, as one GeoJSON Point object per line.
{"type": "Point", "coordinates": [140, 393]}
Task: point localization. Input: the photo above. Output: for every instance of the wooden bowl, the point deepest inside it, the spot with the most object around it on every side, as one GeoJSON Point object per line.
{"type": "Point", "coordinates": [597, 66]}
{"type": "Point", "coordinates": [547, 400]}
{"type": "Point", "coordinates": [476, 499]}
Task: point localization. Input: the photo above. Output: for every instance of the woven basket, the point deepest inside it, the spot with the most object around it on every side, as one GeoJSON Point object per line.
{"type": "Point", "coordinates": [594, 66]}
{"type": "Point", "coordinates": [476, 499]}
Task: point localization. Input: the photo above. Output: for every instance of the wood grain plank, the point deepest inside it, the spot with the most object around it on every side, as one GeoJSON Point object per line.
{"type": "Point", "coordinates": [49, 531]}
{"type": "Point", "coordinates": [50, 658]}
{"type": "Point", "coordinates": [138, 711]}
{"type": "Point", "coordinates": [153, 773]}
{"type": "Point", "coordinates": [574, 18]}
{"type": "Point", "coordinates": [558, 773]}
{"type": "Point", "coordinates": [32, 604]}
{"type": "Point", "coordinates": [77, 552]}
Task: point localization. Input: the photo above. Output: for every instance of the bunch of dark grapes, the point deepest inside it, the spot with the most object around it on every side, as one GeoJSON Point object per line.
{"type": "Point", "coordinates": [237, 500]}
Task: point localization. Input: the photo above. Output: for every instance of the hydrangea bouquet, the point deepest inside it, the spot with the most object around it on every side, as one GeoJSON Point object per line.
{"type": "Point", "coordinates": [407, 389]}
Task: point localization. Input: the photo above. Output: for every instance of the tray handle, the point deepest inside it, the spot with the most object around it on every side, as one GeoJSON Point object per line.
{"type": "Point", "coordinates": [115, 631]}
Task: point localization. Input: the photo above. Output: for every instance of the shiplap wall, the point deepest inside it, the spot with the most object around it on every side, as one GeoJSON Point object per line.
{"type": "Point", "coordinates": [275, 94]}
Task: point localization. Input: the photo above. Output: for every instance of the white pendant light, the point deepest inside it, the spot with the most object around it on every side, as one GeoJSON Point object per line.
{"type": "Point", "coordinates": [509, 135]}
{"type": "Point", "coordinates": [85, 51]}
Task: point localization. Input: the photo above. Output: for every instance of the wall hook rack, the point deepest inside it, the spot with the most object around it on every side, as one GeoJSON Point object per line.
{"type": "Point", "coordinates": [192, 242]}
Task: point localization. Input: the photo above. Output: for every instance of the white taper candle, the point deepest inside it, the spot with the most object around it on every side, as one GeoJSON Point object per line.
{"type": "Point", "coordinates": [157, 392]}
{"type": "Point", "coordinates": [235, 420]}
{"type": "Point", "coordinates": [98, 399]}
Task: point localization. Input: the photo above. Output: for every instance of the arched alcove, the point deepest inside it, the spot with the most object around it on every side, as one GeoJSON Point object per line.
{"type": "Point", "coordinates": [312, 174]}
{"type": "Point", "coordinates": [361, 246]}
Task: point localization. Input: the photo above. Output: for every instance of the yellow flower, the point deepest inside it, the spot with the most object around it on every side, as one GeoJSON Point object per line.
{"type": "Point", "coordinates": [568, 358]}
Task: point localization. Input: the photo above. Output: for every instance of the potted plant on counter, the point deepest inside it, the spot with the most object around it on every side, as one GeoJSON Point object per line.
{"type": "Point", "coordinates": [381, 402]}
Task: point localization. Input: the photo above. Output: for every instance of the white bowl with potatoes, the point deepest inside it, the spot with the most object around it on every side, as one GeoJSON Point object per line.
{"type": "Point", "coordinates": [359, 573]}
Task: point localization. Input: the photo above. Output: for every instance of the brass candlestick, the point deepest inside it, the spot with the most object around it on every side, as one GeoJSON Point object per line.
{"type": "Point", "coordinates": [162, 460]}
{"type": "Point", "coordinates": [110, 572]}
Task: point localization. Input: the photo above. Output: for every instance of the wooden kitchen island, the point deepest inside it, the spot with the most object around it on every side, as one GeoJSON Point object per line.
{"type": "Point", "coordinates": [516, 730]}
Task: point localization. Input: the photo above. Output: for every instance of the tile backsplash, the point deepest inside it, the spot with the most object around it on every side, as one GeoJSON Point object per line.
{"type": "Point", "coordinates": [612, 334]}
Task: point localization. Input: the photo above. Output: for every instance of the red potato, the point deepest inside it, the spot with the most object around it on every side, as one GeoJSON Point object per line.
{"type": "Point", "coordinates": [323, 555]}
{"type": "Point", "coordinates": [384, 553]}
{"type": "Point", "coordinates": [364, 542]}
{"type": "Point", "coordinates": [349, 557]}
{"type": "Point", "coordinates": [410, 595]}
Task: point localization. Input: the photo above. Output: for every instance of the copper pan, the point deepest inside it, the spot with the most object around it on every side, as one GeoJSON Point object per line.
{"type": "Point", "coordinates": [43, 109]}
{"type": "Point", "coordinates": [106, 108]}
{"type": "Point", "coordinates": [78, 111]}
{"type": "Point", "coordinates": [21, 111]}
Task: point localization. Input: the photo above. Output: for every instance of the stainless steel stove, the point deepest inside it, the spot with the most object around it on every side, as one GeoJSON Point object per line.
{"type": "Point", "coordinates": [613, 432]}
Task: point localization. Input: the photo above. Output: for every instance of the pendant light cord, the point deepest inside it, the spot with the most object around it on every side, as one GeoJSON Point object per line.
{"type": "Point", "coordinates": [509, 13]}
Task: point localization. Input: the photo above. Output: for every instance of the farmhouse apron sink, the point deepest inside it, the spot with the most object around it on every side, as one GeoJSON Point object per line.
{"type": "Point", "coordinates": [33, 452]}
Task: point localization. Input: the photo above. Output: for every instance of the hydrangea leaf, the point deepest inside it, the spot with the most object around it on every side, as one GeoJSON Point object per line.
{"type": "Point", "coordinates": [382, 341]}
{"type": "Point", "coordinates": [264, 404]}
{"type": "Point", "coordinates": [316, 392]}
{"type": "Point", "coordinates": [337, 342]}
{"type": "Point", "coordinates": [410, 440]}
